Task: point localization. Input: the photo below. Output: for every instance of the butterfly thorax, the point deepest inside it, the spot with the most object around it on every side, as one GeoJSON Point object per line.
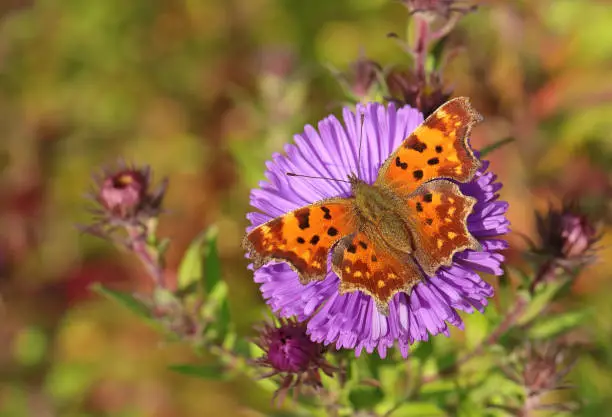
{"type": "Point", "coordinates": [381, 216]}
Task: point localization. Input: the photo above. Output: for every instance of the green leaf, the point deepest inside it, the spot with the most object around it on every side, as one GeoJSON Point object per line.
{"type": "Point", "coordinates": [365, 397]}
{"type": "Point", "coordinates": [213, 372]}
{"type": "Point", "coordinates": [495, 385]}
{"type": "Point", "coordinates": [212, 263]}
{"type": "Point", "coordinates": [125, 299]}
{"type": "Point", "coordinates": [423, 350]}
{"type": "Point", "coordinates": [255, 351]}
{"type": "Point", "coordinates": [437, 52]}
{"type": "Point", "coordinates": [190, 269]}
{"type": "Point", "coordinates": [217, 307]}
{"type": "Point", "coordinates": [372, 364]}
{"type": "Point", "coordinates": [418, 409]}
{"type": "Point", "coordinates": [30, 345]}
{"type": "Point", "coordinates": [539, 302]}
{"type": "Point", "coordinates": [446, 360]}
{"type": "Point", "coordinates": [162, 247]}
{"type": "Point", "coordinates": [241, 347]}
{"type": "Point", "coordinates": [200, 263]}
{"type": "Point", "coordinates": [164, 297]}
{"type": "Point", "coordinates": [490, 148]}
{"type": "Point", "coordinates": [505, 291]}
{"type": "Point", "coordinates": [550, 327]}
{"type": "Point", "coordinates": [476, 329]}
{"type": "Point", "coordinates": [438, 391]}
{"type": "Point", "coordinates": [390, 377]}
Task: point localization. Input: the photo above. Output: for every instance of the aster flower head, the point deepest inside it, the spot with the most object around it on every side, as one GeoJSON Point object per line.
{"type": "Point", "coordinates": [351, 319]}
{"type": "Point", "coordinates": [289, 352]}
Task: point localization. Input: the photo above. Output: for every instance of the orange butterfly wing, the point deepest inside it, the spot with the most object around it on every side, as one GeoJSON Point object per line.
{"type": "Point", "coordinates": [438, 223]}
{"type": "Point", "coordinates": [374, 271]}
{"type": "Point", "coordinates": [302, 238]}
{"type": "Point", "coordinates": [437, 210]}
{"type": "Point", "coordinates": [438, 148]}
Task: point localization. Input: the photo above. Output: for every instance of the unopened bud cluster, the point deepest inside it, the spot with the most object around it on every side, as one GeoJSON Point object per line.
{"type": "Point", "coordinates": [418, 86]}
{"type": "Point", "coordinates": [289, 352]}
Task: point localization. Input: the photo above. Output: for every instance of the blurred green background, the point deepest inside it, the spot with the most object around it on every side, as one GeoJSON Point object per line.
{"type": "Point", "coordinates": [204, 92]}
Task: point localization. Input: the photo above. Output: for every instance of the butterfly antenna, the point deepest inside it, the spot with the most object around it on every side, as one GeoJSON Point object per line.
{"type": "Point", "coordinates": [293, 174]}
{"type": "Point", "coordinates": [362, 118]}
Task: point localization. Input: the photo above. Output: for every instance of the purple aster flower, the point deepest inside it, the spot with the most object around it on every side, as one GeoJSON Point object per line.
{"type": "Point", "coordinates": [352, 320]}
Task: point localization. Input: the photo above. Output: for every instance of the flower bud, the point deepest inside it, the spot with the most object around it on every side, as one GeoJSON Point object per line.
{"type": "Point", "coordinates": [577, 235]}
{"type": "Point", "coordinates": [363, 76]}
{"type": "Point", "coordinates": [566, 234]}
{"type": "Point", "coordinates": [541, 368]}
{"type": "Point", "coordinates": [438, 7]}
{"type": "Point", "coordinates": [289, 352]}
{"type": "Point", "coordinates": [125, 194]}
{"type": "Point", "coordinates": [425, 95]}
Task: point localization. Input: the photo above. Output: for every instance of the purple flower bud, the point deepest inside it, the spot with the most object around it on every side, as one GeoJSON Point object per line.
{"type": "Point", "coordinates": [125, 194]}
{"type": "Point", "coordinates": [290, 349]}
{"type": "Point", "coordinates": [363, 76]}
{"type": "Point", "coordinates": [425, 95]}
{"type": "Point", "coordinates": [577, 235]}
{"type": "Point", "coordinates": [541, 368]}
{"type": "Point", "coordinates": [567, 238]}
{"type": "Point", "coordinates": [566, 234]}
{"type": "Point", "coordinates": [123, 191]}
{"type": "Point", "coordinates": [290, 353]}
{"type": "Point", "coordinates": [438, 7]}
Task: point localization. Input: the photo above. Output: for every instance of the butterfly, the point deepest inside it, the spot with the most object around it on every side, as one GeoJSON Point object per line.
{"type": "Point", "coordinates": [387, 236]}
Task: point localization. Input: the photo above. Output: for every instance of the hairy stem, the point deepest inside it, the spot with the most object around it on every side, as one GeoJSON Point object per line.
{"type": "Point", "coordinates": [148, 256]}
{"type": "Point", "coordinates": [421, 46]}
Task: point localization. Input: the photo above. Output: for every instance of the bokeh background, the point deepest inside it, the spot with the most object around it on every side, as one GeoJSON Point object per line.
{"type": "Point", "coordinates": [204, 91]}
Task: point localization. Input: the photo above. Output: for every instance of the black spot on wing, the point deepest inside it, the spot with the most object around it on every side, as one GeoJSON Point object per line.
{"type": "Point", "coordinates": [400, 164]}
{"type": "Point", "coordinates": [414, 143]}
{"type": "Point", "coordinates": [303, 218]}
{"type": "Point", "coordinates": [327, 215]}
